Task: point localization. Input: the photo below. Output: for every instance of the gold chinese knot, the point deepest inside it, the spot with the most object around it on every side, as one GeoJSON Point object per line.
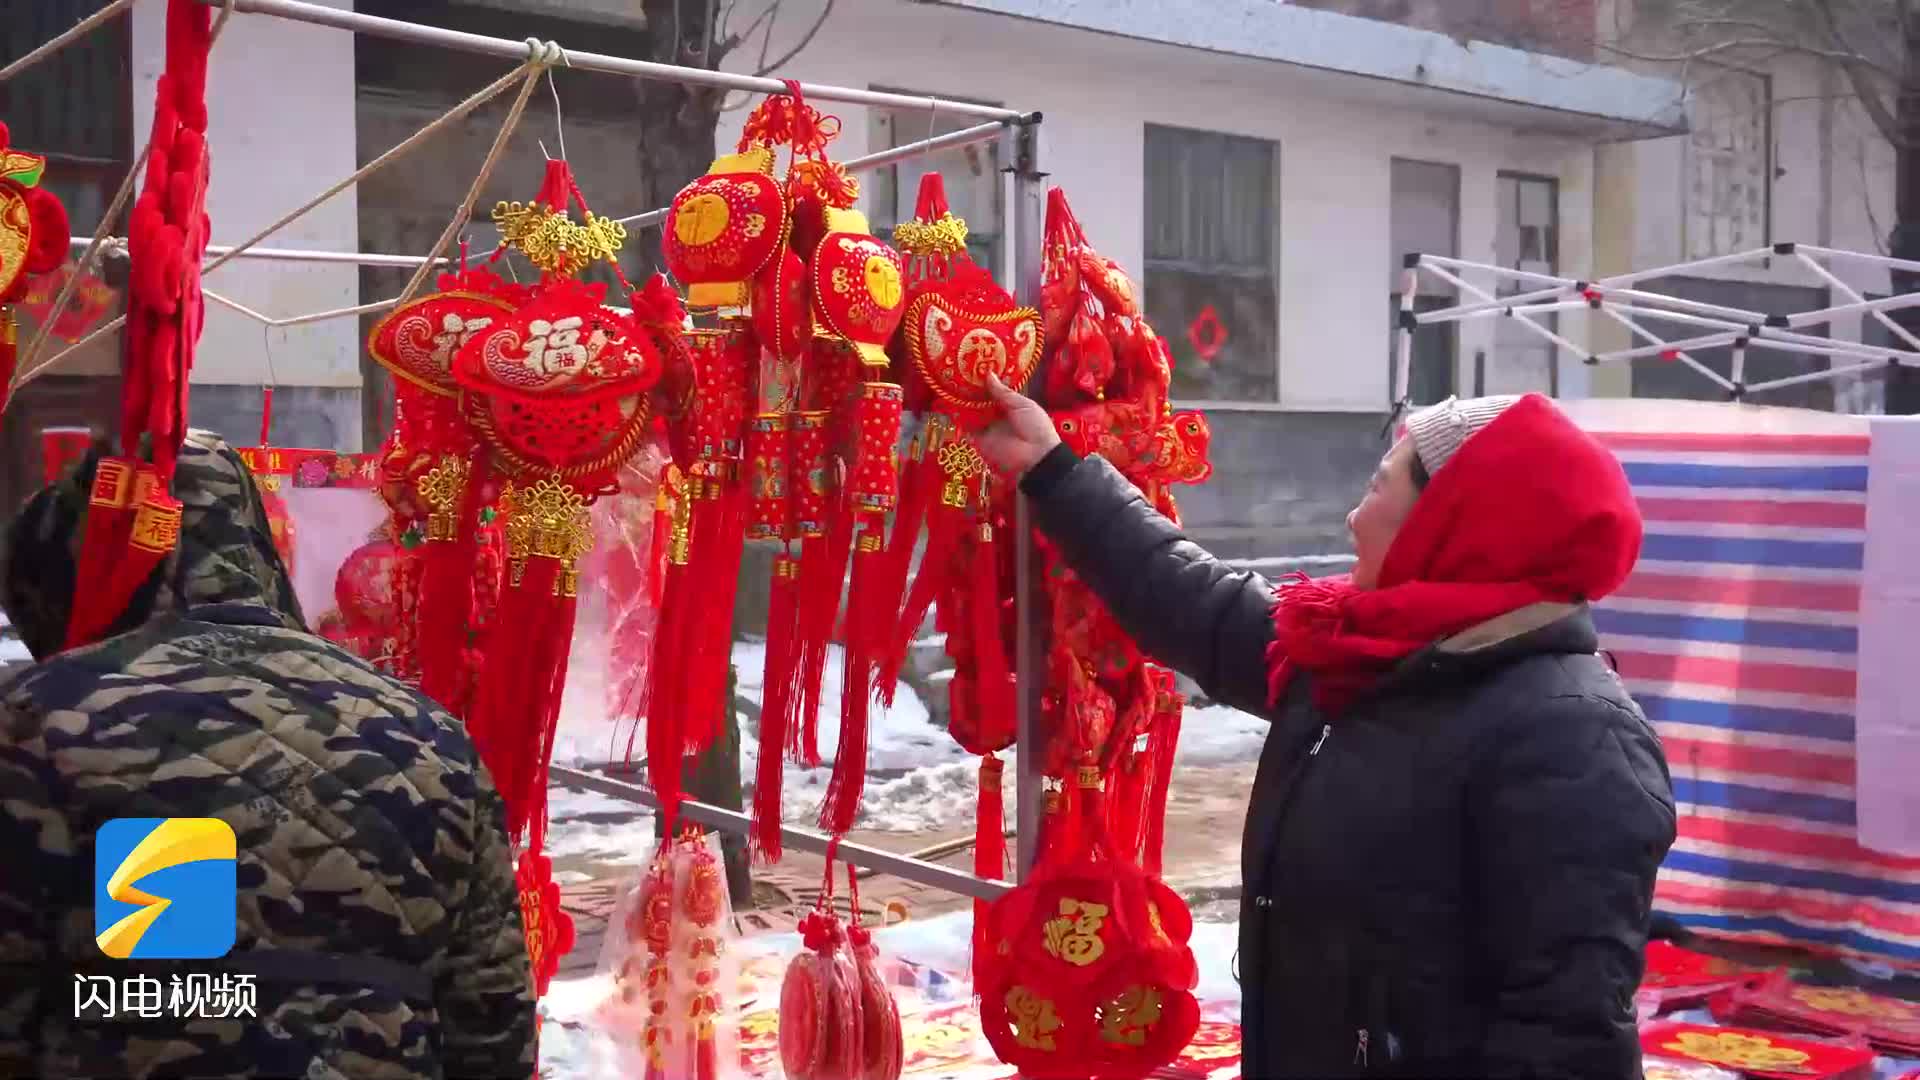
{"type": "Point", "coordinates": [1075, 935]}
{"type": "Point", "coordinates": [553, 241]}
{"type": "Point", "coordinates": [441, 488]}
{"type": "Point", "coordinates": [961, 461]}
{"type": "Point", "coordinates": [548, 520]}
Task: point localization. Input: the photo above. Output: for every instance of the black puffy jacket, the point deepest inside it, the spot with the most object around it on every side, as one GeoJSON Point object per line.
{"type": "Point", "coordinates": [1453, 877]}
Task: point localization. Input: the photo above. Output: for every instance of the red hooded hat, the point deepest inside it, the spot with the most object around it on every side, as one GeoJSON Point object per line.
{"type": "Point", "coordinates": [1530, 508]}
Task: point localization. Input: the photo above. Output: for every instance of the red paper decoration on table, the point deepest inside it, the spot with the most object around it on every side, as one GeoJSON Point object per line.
{"type": "Point", "coordinates": [1764, 1054]}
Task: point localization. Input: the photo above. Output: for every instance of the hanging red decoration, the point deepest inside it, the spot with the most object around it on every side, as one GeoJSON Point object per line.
{"type": "Point", "coordinates": [1207, 334]}
{"type": "Point", "coordinates": [133, 521]}
{"type": "Point", "coordinates": [33, 246]}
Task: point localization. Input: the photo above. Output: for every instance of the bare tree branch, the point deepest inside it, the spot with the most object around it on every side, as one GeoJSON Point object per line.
{"type": "Point", "coordinates": [806, 39]}
{"type": "Point", "coordinates": [1876, 108]}
{"type": "Point", "coordinates": [730, 41]}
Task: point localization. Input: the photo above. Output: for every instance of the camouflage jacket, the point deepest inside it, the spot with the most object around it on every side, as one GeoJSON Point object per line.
{"type": "Point", "coordinates": [377, 910]}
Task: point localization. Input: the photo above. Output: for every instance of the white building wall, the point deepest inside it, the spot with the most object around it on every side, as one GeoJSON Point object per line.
{"type": "Point", "coordinates": [280, 130]}
{"type": "Point", "coordinates": [1336, 140]}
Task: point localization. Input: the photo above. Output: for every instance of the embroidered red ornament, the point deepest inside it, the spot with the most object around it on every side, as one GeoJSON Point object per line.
{"type": "Point", "coordinates": [724, 228]}
{"type": "Point", "coordinates": [1087, 971]}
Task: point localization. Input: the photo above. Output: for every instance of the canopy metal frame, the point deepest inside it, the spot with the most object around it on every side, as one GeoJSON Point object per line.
{"type": "Point", "coordinates": [1718, 326]}
{"type": "Point", "coordinates": [1019, 134]}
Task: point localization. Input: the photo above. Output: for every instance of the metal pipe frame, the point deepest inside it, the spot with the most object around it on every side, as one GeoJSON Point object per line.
{"type": "Point", "coordinates": [979, 133]}
{"type": "Point", "coordinates": [1022, 151]}
{"type": "Point", "coordinates": [1560, 342]}
{"type": "Point", "coordinates": [714, 817]}
{"type": "Point", "coordinates": [1833, 281]}
{"type": "Point", "coordinates": [1815, 376]}
{"type": "Point", "coordinates": [505, 49]}
{"type": "Point", "coordinates": [1645, 334]}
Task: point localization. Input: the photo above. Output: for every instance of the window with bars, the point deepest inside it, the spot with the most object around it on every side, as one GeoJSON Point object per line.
{"type": "Point", "coordinates": [1729, 164]}
{"type": "Point", "coordinates": [1526, 237]}
{"type": "Point", "coordinates": [1211, 287]}
{"type": "Point", "coordinates": [1424, 216]}
{"type": "Point", "coordinates": [971, 175]}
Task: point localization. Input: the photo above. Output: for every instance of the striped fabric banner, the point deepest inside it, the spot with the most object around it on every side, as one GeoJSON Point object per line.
{"type": "Point", "coordinates": [1738, 634]}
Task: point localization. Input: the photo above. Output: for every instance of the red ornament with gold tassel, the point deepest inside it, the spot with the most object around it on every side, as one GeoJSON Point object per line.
{"type": "Point", "coordinates": [858, 299]}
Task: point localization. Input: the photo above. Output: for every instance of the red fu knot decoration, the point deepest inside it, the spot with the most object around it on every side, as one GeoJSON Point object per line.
{"type": "Point", "coordinates": [33, 242]}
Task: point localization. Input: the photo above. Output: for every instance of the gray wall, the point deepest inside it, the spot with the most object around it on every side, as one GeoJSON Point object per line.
{"type": "Point", "coordinates": [1282, 482]}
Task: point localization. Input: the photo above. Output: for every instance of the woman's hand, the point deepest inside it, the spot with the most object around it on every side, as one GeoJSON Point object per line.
{"type": "Point", "coordinates": [1021, 437]}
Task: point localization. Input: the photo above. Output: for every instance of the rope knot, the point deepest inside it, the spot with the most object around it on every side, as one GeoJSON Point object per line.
{"type": "Point", "coordinates": [546, 54]}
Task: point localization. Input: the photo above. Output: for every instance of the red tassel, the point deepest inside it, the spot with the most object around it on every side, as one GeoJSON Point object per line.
{"type": "Point", "coordinates": [666, 695]}
{"type": "Point", "coordinates": [989, 842]}
{"type": "Point", "coordinates": [719, 539]}
{"type": "Point", "coordinates": [993, 667]}
{"type": "Point", "coordinates": [1124, 811]}
{"type": "Point", "coordinates": [1160, 747]}
{"type": "Point", "coordinates": [866, 612]}
{"type": "Point", "coordinates": [446, 582]}
{"type": "Point", "coordinates": [779, 704]}
{"type": "Point", "coordinates": [916, 496]}
{"type": "Point", "coordinates": [936, 576]}
{"type": "Point", "coordinates": [823, 575]}
{"type": "Point", "coordinates": [517, 706]}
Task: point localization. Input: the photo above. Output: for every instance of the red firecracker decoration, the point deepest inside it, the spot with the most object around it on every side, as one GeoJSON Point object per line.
{"type": "Point", "coordinates": [133, 521]}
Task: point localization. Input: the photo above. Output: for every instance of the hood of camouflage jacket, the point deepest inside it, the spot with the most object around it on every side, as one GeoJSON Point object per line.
{"type": "Point", "coordinates": [225, 556]}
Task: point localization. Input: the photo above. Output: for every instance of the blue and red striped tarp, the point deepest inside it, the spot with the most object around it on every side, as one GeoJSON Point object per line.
{"type": "Point", "coordinates": [1738, 634]}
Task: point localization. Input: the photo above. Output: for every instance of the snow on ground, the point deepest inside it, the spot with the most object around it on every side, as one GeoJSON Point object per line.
{"type": "Point", "coordinates": [1219, 735]}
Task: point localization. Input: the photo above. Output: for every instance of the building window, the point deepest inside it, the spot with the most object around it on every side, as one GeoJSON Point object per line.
{"type": "Point", "coordinates": [1212, 291]}
{"type": "Point", "coordinates": [1424, 219]}
{"type": "Point", "coordinates": [1729, 164]}
{"type": "Point", "coordinates": [1526, 237]}
{"type": "Point", "coordinates": [971, 175]}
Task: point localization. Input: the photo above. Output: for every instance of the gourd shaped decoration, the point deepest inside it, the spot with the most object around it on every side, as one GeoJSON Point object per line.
{"type": "Point", "coordinates": [133, 521]}
{"type": "Point", "coordinates": [1086, 970]}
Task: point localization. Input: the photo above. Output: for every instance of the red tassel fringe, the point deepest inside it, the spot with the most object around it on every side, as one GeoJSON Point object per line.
{"type": "Point", "coordinates": [109, 520]}
{"type": "Point", "coordinates": [989, 842]}
{"type": "Point", "coordinates": [917, 494]}
{"type": "Point", "coordinates": [867, 613]}
{"type": "Point", "coordinates": [823, 574]}
{"type": "Point", "coordinates": [1160, 748]}
{"type": "Point", "coordinates": [518, 703]}
{"type": "Point", "coordinates": [446, 601]}
{"type": "Point", "coordinates": [779, 705]}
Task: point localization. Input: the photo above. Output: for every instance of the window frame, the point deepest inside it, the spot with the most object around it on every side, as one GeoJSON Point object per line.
{"type": "Point", "coordinates": [1553, 268]}
{"type": "Point", "coordinates": [1452, 328]}
{"type": "Point", "coordinates": [1689, 154]}
{"type": "Point", "coordinates": [1183, 266]}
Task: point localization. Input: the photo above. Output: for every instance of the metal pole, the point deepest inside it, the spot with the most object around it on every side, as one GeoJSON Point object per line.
{"type": "Point", "coordinates": [1814, 376]}
{"type": "Point", "coordinates": [587, 61]}
{"type": "Point", "coordinates": [282, 254]}
{"type": "Point", "coordinates": [714, 817]}
{"type": "Point", "coordinates": [1028, 220]}
{"type": "Point", "coordinates": [1402, 389]}
{"type": "Point", "coordinates": [1851, 293]}
{"type": "Point", "coordinates": [964, 137]}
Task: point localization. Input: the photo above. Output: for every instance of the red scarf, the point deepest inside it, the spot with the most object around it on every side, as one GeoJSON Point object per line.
{"type": "Point", "coordinates": [1529, 509]}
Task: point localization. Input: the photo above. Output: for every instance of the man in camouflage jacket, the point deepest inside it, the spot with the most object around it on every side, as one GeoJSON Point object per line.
{"type": "Point", "coordinates": [378, 914]}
